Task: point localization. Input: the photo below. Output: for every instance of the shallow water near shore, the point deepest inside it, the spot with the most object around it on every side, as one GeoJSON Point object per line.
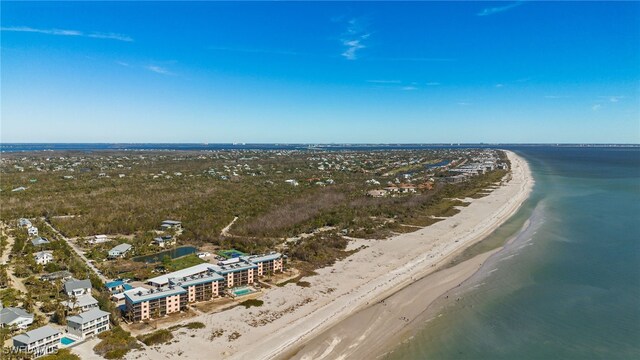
{"type": "Point", "coordinates": [568, 286]}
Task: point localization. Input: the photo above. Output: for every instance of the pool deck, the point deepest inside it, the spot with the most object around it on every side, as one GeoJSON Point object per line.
{"type": "Point", "coordinates": [251, 290]}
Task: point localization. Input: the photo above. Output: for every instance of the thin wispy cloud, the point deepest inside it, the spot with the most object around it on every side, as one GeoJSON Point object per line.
{"type": "Point", "coordinates": [596, 107]}
{"type": "Point", "coordinates": [122, 63]}
{"type": "Point", "coordinates": [433, 83]}
{"type": "Point", "coordinates": [158, 70]}
{"type": "Point", "coordinates": [464, 103]}
{"type": "Point", "coordinates": [354, 39]}
{"type": "Point", "coordinates": [408, 88]}
{"type": "Point", "coordinates": [63, 32]}
{"type": "Point", "coordinates": [111, 36]}
{"type": "Point", "coordinates": [499, 85]}
{"type": "Point", "coordinates": [499, 9]}
{"type": "Point", "coordinates": [613, 99]}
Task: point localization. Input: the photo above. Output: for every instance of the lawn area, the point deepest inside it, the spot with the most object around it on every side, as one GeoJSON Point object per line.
{"type": "Point", "coordinates": [182, 262]}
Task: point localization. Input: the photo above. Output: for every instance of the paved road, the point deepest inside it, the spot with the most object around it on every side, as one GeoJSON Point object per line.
{"type": "Point", "coordinates": [77, 251]}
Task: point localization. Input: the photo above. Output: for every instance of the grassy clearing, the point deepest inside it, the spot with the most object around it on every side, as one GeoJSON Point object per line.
{"type": "Point", "coordinates": [182, 262]}
{"type": "Point", "coordinates": [252, 302]}
{"type": "Point", "coordinates": [157, 337]}
{"type": "Point", "coordinates": [62, 354]}
{"type": "Point", "coordinates": [191, 326]}
{"type": "Point", "coordinates": [115, 344]}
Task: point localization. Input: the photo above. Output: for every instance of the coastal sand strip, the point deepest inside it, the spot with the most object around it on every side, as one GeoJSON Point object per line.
{"type": "Point", "coordinates": [372, 331]}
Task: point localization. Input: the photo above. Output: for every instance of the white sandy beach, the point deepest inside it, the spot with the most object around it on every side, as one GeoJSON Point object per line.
{"type": "Point", "coordinates": [293, 316]}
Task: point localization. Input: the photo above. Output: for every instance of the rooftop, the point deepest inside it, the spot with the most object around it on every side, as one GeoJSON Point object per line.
{"type": "Point", "coordinates": [9, 314]}
{"type": "Point", "coordinates": [113, 284]}
{"type": "Point", "coordinates": [151, 294]}
{"type": "Point", "coordinates": [81, 301]}
{"type": "Point", "coordinates": [87, 316]}
{"type": "Point", "coordinates": [121, 248]}
{"type": "Point", "coordinates": [171, 222]}
{"type": "Point", "coordinates": [241, 265]}
{"type": "Point", "coordinates": [262, 257]}
{"type": "Point", "coordinates": [39, 241]}
{"type": "Point", "coordinates": [190, 271]}
{"type": "Point", "coordinates": [43, 254]}
{"type": "Point", "coordinates": [71, 285]}
{"type": "Point", "coordinates": [196, 279]}
{"type": "Point", "coordinates": [120, 296]}
{"type": "Point", "coordinates": [36, 334]}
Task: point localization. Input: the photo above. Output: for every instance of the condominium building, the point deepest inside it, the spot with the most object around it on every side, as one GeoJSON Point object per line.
{"type": "Point", "coordinates": [267, 264]}
{"type": "Point", "coordinates": [236, 272]}
{"type": "Point", "coordinates": [172, 292]}
{"type": "Point", "coordinates": [201, 287]}
{"type": "Point", "coordinates": [155, 303]}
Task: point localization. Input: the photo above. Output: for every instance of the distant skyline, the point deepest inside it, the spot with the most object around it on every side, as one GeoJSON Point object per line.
{"type": "Point", "coordinates": [339, 72]}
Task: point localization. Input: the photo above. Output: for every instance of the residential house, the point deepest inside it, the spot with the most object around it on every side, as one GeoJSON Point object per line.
{"type": "Point", "coordinates": [39, 241]}
{"type": "Point", "coordinates": [88, 323]}
{"type": "Point", "coordinates": [376, 193]}
{"type": "Point", "coordinates": [119, 251]}
{"type": "Point", "coordinates": [407, 188]}
{"type": "Point", "coordinates": [41, 341]}
{"type": "Point", "coordinates": [171, 224]}
{"type": "Point", "coordinates": [98, 239]}
{"type": "Point", "coordinates": [32, 231]}
{"type": "Point", "coordinates": [164, 241]}
{"type": "Point", "coordinates": [64, 275]}
{"type": "Point", "coordinates": [15, 317]}
{"type": "Point", "coordinates": [77, 287]}
{"type": "Point", "coordinates": [43, 257]}
{"type": "Point", "coordinates": [82, 303]}
{"type": "Point", "coordinates": [117, 286]}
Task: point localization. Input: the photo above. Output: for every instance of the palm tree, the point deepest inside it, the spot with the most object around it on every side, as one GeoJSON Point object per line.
{"type": "Point", "coordinates": [28, 302]}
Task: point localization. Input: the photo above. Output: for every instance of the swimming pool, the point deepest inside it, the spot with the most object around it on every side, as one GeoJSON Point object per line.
{"type": "Point", "coordinates": [242, 291]}
{"type": "Point", "coordinates": [67, 341]}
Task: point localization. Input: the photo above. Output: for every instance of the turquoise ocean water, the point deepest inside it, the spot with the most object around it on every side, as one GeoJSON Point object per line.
{"type": "Point", "coordinates": [568, 284]}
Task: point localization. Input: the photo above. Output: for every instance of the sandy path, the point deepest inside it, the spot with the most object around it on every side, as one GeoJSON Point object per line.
{"type": "Point", "coordinates": [225, 231]}
{"type": "Point", "coordinates": [78, 252]}
{"type": "Point", "coordinates": [292, 316]}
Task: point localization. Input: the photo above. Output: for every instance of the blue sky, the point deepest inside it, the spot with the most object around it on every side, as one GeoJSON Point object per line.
{"type": "Point", "coordinates": [417, 72]}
